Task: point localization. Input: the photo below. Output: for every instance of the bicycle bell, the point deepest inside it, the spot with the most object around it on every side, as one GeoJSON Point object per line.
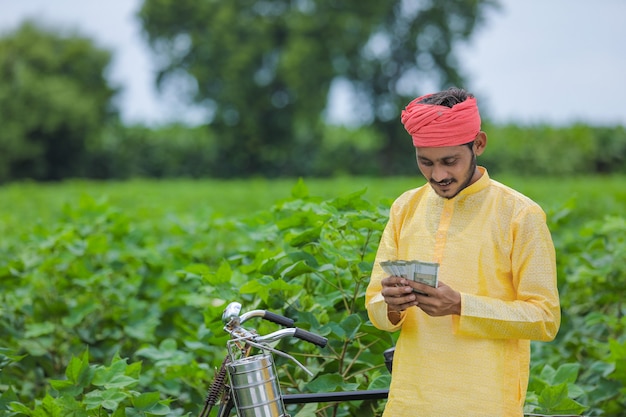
{"type": "Point", "coordinates": [231, 312]}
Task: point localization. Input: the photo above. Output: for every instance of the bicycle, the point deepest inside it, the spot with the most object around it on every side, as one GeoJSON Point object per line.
{"type": "Point", "coordinates": [252, 387]}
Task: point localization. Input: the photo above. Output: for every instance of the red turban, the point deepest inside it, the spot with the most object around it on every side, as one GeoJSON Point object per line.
{"type": "Point", "coordinates": [432, 125]}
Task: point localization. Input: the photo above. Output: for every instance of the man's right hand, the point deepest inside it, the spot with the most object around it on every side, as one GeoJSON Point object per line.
{"type": "Point", "coordinates": [397, 294]}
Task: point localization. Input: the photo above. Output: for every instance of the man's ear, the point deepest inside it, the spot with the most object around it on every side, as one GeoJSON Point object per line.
{"type": "Point", "coordinates": [480, 143]}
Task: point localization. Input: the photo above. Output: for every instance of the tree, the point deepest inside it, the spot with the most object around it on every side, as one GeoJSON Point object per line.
{"type": "Point", "coordinates": [266, 67]}
{"type": "Point", "coordinates": [54, 100]}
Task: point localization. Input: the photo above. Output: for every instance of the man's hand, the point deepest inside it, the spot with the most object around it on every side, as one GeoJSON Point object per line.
{"type": "Point", "coordinates": [399, 295]}
{"type": "Point", "coordinates": [440, 301]}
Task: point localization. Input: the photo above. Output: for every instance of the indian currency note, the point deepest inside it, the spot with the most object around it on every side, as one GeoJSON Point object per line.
{"type": "Point", "coordinates": [426, 273]}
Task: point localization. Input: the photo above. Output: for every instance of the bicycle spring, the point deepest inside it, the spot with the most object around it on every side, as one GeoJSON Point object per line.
{"type": "Point", "coordinates": [216, 388]}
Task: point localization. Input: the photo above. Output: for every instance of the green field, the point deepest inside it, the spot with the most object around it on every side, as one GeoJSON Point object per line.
{"type": "Point", "coordinates": [141, 269]}
{"type": "Point", "coordinates": [21, 204]}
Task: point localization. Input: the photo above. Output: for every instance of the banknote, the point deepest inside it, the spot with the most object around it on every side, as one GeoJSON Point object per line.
{"type": "Point", "coordinates": [418, 271]}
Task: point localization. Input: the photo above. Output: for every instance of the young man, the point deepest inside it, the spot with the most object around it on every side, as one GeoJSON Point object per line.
{"type": "Point", "coordinates": [464, 347]}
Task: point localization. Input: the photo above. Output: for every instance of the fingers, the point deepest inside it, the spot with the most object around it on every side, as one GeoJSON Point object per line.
{"type": "Point", "coordinates": [403, 304]}
{"type": "Point", "coordinates": [392, 281]}
{"type": "Point", "coordinates": [395, 287]}
{"type": "Point", "coordinates": [440, 301]}
{"type": "Point", "coordinates": [397, 293]}
{"type": "Point", "coordinates": [422, 288]}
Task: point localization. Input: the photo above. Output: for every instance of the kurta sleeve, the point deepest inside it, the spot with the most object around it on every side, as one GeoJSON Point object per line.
{"type": "Point", "coordinates": [535, 312]}
{"type": "Point", "coordinates": [374, 301]}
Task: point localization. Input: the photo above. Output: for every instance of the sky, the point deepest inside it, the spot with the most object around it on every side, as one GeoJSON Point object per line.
{"type": "Point", "coordinates": [533, 61]}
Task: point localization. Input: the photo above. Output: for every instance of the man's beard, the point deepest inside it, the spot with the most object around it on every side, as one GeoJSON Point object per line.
{"type": "Point", "coordinates": [468, 179]}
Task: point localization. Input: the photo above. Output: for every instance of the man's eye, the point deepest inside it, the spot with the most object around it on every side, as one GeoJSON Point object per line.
{"type": "Point", "coordinates": [450, 162]}
{"type": "Point", "coordinates": [426, 163]}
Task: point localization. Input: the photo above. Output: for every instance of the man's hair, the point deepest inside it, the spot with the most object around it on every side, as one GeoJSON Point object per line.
{"type": "Point", "coordinates": [448, 98]}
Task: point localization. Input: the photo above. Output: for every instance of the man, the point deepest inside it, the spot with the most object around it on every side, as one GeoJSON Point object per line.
{"type": "Point", "coordinates": [464, 346]}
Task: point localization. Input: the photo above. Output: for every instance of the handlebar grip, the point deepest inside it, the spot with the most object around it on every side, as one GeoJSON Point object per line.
{"type": "Point", "coordinates": [310, 337]}
{"type": "Point", "coordinates": [278, 319]}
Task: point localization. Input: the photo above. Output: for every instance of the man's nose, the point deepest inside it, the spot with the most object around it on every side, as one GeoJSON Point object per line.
{"type": "Point", "coordinates": [439, 173]}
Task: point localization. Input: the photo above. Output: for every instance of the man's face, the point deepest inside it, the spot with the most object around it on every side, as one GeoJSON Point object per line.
{"type": "Point", "coordinates": [448, 169]}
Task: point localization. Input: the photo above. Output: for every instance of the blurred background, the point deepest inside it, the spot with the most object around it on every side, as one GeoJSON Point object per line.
{"type": "Point", "coordinates": [160, 88]}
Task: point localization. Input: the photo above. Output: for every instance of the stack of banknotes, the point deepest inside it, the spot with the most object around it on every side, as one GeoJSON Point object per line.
{"type": "Point", "coordinates": [418, 271]}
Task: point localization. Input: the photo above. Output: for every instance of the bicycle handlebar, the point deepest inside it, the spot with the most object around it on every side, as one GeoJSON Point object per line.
{"type": "Point", "coordinates": [293, 332]}
{"type": "Point", "coordinates": [234, 321]}
{"type": "Point", "coordinates": [267, 315]}
{"type": "Point", "coordinates": [278, 319]}
{"type": "Point", "coordinates": [310, 337]}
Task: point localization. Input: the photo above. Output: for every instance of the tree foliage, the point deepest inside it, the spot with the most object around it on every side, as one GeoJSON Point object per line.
{"type": "Point", "coordinates": [266, 68]}
{"type": "Point", "coordinates": [54, 99]}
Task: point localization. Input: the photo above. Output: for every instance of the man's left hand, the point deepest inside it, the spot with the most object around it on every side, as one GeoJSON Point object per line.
{"type": "Point", "coordinates": [440, 301]}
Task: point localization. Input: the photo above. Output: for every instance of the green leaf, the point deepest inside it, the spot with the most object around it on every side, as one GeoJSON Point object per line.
{"type": "Point", "coordinates": [79, 375]}
{"type": "Point", "coordinates": [35, 330]}
{"type": "Point", "coordinates": [566, 373]}
{"type": "Point", "coordinates": [167, 354]}
{"type": "Point", "coordinates": [131, 412]}
{"type": "Point", "coordinates": [369, 224]}
{"type": "Point", "coordinates": [568, 407]}
{"type": "Point", "coordinates": [305, 237]}
{"type": "Point", "coordinates": [71, 407]}
{"type": "Point", "coordinates": [309, 410]}
{"type": "Point", "coordinates": [97, 244]}
{"type": "Point", "coordinates": [146, 400]}
{"type": "Point", "coordinates": [552, 396]}
{"type": "Point", "coordinates": [618, 359]}
{"type": "Point", "coordinates": [127, 412]}
{"type": "Point", "coordinates": [336, 329]}
{"type": "Point", "coordinates": [37, 347]}
{"type": "Point", "coordinates": [151, 403]}
{"type": "Point", "coordinates": [555, 400]}
{"type": "Point", "coordinates": [113, 376]}
{"type": "Point", "coordinates": [78, 313]}
{"type": "Point", "coordinates": [258, 287]}
{"type": "Point", "coordinates": [351, 326]}
{"type": "Point", "coordinates": [264, 286]}
{"type": "Point", "coordinates": [300, 190]}
{"type": "Point", "coordinates": [78, 370]}
{"type": "Point", "coordinates": [134, 370]}
{"type": "Point", "coordinates": [198, 269]}
{"type": "Point", "coordinates": [7, 397]}
{"type": "Point", "coordinates": [48, 408]}
{"type": "Point", "coordinates": [223, 274]}
{"type": "Point", "coordinates": [381, 382]}
{"type": "Point", "coordinates": [352, 201]}
{"type": "Point", "coordinates": [575, 391]}
{"type": "Point", "coordinates": [308, 258]}
{"type": "Point", "coordinates": [9, 355]}
{"type": "Point", "coordinates": [330, 383]}
{"type": "Point", "coordinates": [20, 408]}
{"type": "Point", "coordinates": [109, 399]}
{"type": "Point", "coordinates": [547, 374]}
{"type": "Point", "coordinates": [619, 373]}
{"type": "Point", "coordinates": [296, 269]}
{"type": "Point", "coordinates": [65, 387]}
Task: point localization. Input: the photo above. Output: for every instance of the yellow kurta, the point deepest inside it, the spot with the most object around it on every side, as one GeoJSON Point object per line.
{"type": "Point", "coordinates": [494, 247]}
